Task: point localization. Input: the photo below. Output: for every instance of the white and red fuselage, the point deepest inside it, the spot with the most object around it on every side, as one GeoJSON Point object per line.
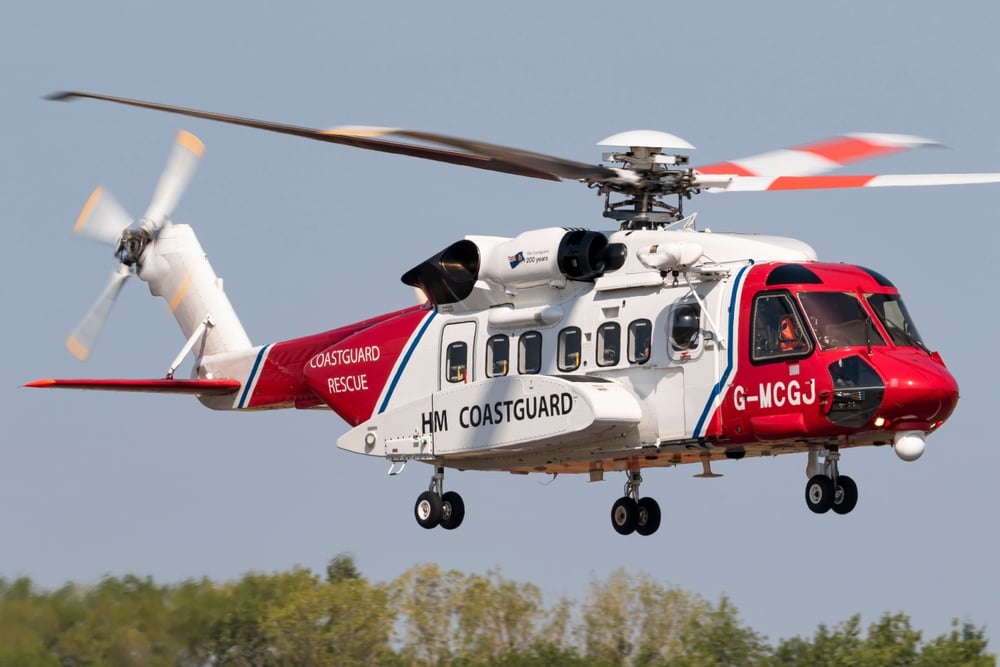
{"type": "Point", "coordinates": [692, 346]}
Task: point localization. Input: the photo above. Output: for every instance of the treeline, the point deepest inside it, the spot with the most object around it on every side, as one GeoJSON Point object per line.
{"type": "Point", "coordinates": [428, 617]}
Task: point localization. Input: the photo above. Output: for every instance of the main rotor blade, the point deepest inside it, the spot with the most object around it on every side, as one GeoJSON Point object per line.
{"type": "Point", "coordinates": [81, 341]}
{"type": "Point", "coordinates": [181, 163]}
{"type": "Point", "coordinates": [423, 152]}
{"type": "Point", "coordinates": [102, 218]}
{"type": "Point", "coordinates": [568, 169]}
{"type": "Point", "coordinates": [821, 156]}
{"type": "Point", "coordinates": [735, 183]}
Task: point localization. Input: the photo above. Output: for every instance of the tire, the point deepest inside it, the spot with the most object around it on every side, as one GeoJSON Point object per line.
{"type": "Point", "coordinates": [428, 509]}
{"type": "Point", "coordinates": [846, 496]}
{"type": "Point", "coordinates": [819, 494]}
{"type": "Point", "coordinates": [624, 515]}
{"type": "Point", "coordinates": [648, 517]}
{"type": "Point", "coordinates": [452, 510]}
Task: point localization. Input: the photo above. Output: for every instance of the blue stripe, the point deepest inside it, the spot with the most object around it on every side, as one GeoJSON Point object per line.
{"type": "Point", "coordinates": [730, 344]}
{"type": "Point", "coordinates": [253, 374]}
{"type": "Point", "coordinates": [406, 359]}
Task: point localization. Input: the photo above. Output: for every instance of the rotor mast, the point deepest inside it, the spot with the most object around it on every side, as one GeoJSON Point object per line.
{"type": "Point", "coordinates": [657, 177]}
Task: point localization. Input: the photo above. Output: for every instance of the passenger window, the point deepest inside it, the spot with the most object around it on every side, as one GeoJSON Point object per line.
{"type": "Point", "coordinates": [529, 353]}
{"type": "Point", "coordinates": [685, 327]}
{"type": "Point", "coordinates": [777, 328]}
{"type": "Point", "coordinates": [570, 346]}
{"type": "Point", "coordinates": [639, 334]}
{"type": "Point", "coordinates": [609, 340]}
{"type": "Point", "coordinates": [457, 360]}
{"type": "Point", "coordinates": [497, 355]}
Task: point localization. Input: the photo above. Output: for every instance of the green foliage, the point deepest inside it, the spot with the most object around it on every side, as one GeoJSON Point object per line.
{"type": "Point", "coordinates": [889, 641]}
{"type": "Point", "coordinates": [430, 617]}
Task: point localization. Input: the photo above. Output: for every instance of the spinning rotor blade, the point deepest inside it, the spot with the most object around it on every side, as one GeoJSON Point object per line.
{"type": "Point", "coordinates": [183, 160]}
{"type": "Point", "coordinates": [102, 218]}
{"type": "Point", "coordinates": [819, 157]}
{"type": "Point", "coordinates": [735, 183]}
{"type": "Point", "coordinates": [367, 143]}
{"type": "Point", "coordinates": [81, 341]}
{"type": "Point", "coordinates": [555, 166]}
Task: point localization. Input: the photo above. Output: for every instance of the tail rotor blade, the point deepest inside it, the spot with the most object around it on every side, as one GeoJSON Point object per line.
{"type": "Point", "coordinates": [81, 341]}
{"type": "Point", "coordinates": [183, 160]}
{"type": "Point", "coordinates": [102, 219]}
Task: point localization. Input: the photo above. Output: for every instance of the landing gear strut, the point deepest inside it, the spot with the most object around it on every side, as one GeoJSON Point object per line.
{"type": "Point", "coordinates": [630, 513]}
{"type": "Point", "coordinates": [434, 508]}
{"type": "Point", "coordinates": [829, 490]}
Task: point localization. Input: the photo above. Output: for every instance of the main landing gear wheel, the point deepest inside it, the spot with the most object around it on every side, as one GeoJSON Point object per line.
{"type": "Point", "coordinates": [632, 514]}
{"type": "Point", "coordinates": [452, 510]}
{"type": "Point", "coordinates": [429, 509]}
{"type": "Point", "coordinates": [624, 515]}
{"type": "Point", "coordinates": [436, 507]}
{"type": "Point", "coordinates": [648, 519]}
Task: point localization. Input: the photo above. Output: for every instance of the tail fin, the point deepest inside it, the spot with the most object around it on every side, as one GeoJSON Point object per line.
{"type": "Point", "coordinates": [180, 272]}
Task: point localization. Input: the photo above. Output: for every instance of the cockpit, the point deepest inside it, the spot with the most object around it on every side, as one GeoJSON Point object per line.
{"type": "Point", "coordinates": [792, 322]}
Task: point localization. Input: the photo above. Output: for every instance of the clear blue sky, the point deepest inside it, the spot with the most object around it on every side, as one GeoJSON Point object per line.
{"type": "Point", "coordinates": [309, 236]}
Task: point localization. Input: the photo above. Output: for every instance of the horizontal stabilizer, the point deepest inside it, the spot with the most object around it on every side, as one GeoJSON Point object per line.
{"type": "Point", "coordinates": [157, 386]}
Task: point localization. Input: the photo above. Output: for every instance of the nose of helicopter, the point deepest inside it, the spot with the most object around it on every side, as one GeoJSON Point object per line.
{"type": "Point", "coordinates": [918, 388]}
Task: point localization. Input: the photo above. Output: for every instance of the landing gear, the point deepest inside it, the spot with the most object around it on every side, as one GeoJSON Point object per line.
{"type": "Point", "coordinates": [829, 490]}
{"type": "Point", "coordinates": [632, 514]}
{"type": "Point", "coordinates": [434, 508]}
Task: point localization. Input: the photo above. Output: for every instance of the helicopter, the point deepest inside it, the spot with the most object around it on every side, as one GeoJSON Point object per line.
{"type": "Point", "coordinates": [568, 350]}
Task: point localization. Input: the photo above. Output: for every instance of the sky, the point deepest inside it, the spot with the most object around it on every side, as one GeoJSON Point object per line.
{"type": "Point", "coordinates": [310, 236]}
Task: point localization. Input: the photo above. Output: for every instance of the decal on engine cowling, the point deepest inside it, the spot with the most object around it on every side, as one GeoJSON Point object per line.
{"type": "Point", "coordinates": [530, 257]}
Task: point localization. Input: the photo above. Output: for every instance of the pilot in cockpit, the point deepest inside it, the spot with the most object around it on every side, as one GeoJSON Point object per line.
{"type": "Point", "coordinates": [789, 337]}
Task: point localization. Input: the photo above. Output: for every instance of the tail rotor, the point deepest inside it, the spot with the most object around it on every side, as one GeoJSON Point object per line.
{"type": "Point", "coordinates": [104, 220]}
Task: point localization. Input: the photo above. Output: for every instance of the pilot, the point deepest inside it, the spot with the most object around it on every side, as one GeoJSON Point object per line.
{"type": "Point", "coordinates": [789, 337]}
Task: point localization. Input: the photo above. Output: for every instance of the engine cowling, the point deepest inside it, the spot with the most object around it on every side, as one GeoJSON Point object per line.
{"type": "Point", "coordinates": [539, 257]}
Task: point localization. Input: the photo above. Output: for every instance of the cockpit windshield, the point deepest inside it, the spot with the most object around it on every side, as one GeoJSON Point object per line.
{"type": "Point", "coordinates": [892, 313]}
{"type": "Point", "coordinates": [839, 320]}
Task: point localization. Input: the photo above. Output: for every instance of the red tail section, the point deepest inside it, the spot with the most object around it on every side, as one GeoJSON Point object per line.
{"type": "Point", "coordinates": [280, 375]}
{"type": "Point", "coordinates": [358, 371]}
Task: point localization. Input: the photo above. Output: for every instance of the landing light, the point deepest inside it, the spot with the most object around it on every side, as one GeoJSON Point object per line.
{"type": "Point", "coordinates": [879, 422]}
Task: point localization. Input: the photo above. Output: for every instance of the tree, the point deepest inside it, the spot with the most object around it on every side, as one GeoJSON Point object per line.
{"type": "Point", "coordinates": [346, 622]}
{"type": "Point", "coordinates": [964, 646]}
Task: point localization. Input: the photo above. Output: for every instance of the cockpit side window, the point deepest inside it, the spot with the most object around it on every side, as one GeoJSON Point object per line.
{"type": "Point", "coordinates": [777, 328]}
{"type": "Point", "coordinates": [839, 320]}
{"type": "Point", "coordinates": [892, 313]}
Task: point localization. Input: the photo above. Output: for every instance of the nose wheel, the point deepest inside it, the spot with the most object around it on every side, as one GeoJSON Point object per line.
{"type": "Point", "coordinates": [434, 508]}
{"type": "Point", "coordinates": [632, 514]}
{"type": "Point", "coordinates": [829, 490]}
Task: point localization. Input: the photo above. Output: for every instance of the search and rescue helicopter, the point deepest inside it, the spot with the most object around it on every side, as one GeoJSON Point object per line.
{"type": "Point", "coordinates": [565, 350]}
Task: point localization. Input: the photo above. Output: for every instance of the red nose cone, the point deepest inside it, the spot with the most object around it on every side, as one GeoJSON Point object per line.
{"type": "Point", "coordinates": [918, 388]}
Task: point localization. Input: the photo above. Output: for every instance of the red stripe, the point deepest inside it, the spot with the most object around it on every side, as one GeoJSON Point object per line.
{"type": "Point", "coordinates": [844, 150]}
{"type": "Point", "coordinates": [725, 168]}
{"type": "Point", "coordinates": [818, 182]}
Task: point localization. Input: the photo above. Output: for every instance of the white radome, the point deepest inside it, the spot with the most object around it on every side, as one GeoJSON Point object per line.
{"type": "Point", "coordinates": [909, 445]}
